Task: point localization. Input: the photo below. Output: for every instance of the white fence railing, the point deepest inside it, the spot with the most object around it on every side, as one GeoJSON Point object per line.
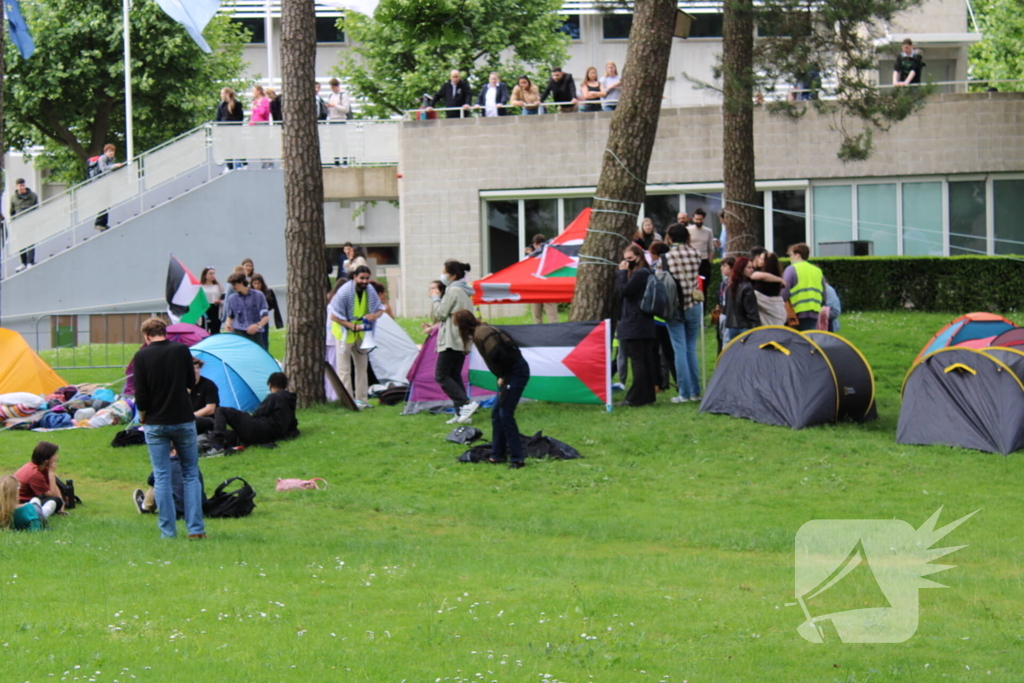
{"type": "Point", "coordinates": [176, 167]}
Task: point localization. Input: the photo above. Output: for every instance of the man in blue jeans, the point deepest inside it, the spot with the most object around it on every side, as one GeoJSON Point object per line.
{"type": "Point", "coordinates": [247, 312]}
{"type": "Point", "coordinates": [163, 379]}
{"type": "Point", "coordinates": [684, 264]}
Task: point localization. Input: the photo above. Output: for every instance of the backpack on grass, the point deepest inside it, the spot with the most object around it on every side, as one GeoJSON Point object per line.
{"type": "Point", "coordinates": [237, 503]}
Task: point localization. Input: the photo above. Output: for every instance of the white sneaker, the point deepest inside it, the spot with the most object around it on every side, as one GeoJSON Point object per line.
{"type": "Point", "coordinates": [19, 268]}
{"type": "Point", "coordinates": [466, 413]}
{"type": "Point", "coordinates": [453, 420]}
{"type": "Point", "coordinates": [680, 399]}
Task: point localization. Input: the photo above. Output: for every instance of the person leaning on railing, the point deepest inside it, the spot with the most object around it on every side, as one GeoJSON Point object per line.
{"type": "Point", "coordinates": [105, 163]}
{"type": "Point", "coordinates": [563, 88]}
{"type": "Point", "coordinates": [526, 96]}
{"type": "Point", "coordinates": [454, 94]}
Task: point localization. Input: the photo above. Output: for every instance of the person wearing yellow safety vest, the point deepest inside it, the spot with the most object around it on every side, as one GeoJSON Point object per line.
{"type": "Point", "coordinates": [354, 306]}
{"type": "Point", "coordinates": [805, 287]}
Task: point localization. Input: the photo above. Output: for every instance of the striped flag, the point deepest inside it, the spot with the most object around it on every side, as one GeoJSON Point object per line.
{"type": "Point", "coordinates": [569, 362]}
{"type": "Point", "coordinates": [186, 300]}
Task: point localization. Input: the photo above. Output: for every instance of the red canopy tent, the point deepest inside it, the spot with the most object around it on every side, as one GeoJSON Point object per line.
{"type": "Point", "coordinates": [547, 277]}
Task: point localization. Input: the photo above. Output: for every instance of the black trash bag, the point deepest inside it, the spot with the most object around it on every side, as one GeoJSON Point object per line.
{"type": "Point", "coordinates": [394, 396]}
{"type": "Point", "coordinates": [536, 446]}
{"type": "Point", "coordinates": [133, 436]}
{"type": "Point", "coordinates": [464, 434]}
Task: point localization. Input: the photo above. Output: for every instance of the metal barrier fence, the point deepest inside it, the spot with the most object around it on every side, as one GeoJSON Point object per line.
{"type": "Point", "coordinates": [88, 341]}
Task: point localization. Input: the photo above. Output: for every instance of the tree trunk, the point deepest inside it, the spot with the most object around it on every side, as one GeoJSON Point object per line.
{"type": "Point", "coordinates": [621, 188]}
{"type": "Point", "coordinates": [743, 230]}
{"type": "Point", "coordinates": [304, 204]}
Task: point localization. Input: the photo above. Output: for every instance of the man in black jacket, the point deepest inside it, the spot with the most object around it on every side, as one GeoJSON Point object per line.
{"type": "Point", "coordinates": [454, 93]}
{"type": "Point", "coordinates": [272, 420]}
{"type": "Point", "coordinates": [163, 378]}
{"type": "Point", "coordinates": [563, 88]}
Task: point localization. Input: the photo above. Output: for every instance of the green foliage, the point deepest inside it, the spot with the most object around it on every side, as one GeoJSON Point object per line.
{"type": "Point", "coordinates": [69, 97]}
{"type": "Point", "coordinates": [951, 284]}
{"type": "Point", "coordinates": [410, 47]}
{"type": "Point", "coordinates": [670, 545]}
{"type": "Point", "coordinates": [1000, 54]}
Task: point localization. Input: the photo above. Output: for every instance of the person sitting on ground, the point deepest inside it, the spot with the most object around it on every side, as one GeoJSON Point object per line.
{"type": "Point", "coordinates": [30, 516]}
{"type": "Point", "coordinates": [145, 502]}
{"type": "Point", "coordinates": [38, 478]}
{"type": "Point", "coordinates": [205, 398]}
{"type": "Point", "coordinates": [273, 420]}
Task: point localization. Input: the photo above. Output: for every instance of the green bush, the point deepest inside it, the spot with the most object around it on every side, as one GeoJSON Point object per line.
{"type": "Point", "coordinates": [954, 284]}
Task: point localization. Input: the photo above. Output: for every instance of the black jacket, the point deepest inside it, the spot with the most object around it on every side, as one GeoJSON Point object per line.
{"type": "Point", "coordinates": [501, 355]}
{"type": "Point", "coordinates": [741, 309]}
{"type": "Point", "coordinates": [224, 115]}
{"type": "Point", "coordinates": [563, 90]}
{"type": "Point", "coordinates": [275, 109]}
{"type": "Point", "coordinates": [634, 323]}
{"type": "Point", "coordinates": [274, 308]}
{"type": "Point", "coordinates": [163, 379]}
{"type": "Point", "coordinates": [502, 98]}
{"type": "Point", "coordinates": [276, 416]}
{"type": "Point", "coordinates": [458, 96]}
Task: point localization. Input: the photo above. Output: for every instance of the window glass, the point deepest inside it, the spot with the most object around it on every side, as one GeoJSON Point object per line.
{"type": "Point", "coordinates": [876, 217]}
{"type": "Point", "coordinates": [571, 26]}
{"type": "Point", "coordinates": [922, 219]}
{"type": "Point", "coordinates": [257, 27]}
{"type": "Point", "coordinates": [327, 30]}
{"type": "Point", "coordinates": [502, 234]}
{"type": "Point", "coordinates": [662, 209]}
{"type": "Point", "coordinates": [967, 217]}
{"type": "Point", "coordinates": [1008, 197]}
{"type": "Point", "coordinates": [833, 214]}
{"type": "Point", "coordinates": [616, 26]}
{"type": "Point", "coordinates": [789, 222]}
{"type": "Point", "coordinates": [572, 207]}
{"type": "Point", "coordinates": [541, 219]}
{"type": "Point", "coordinates": [711, 202]}
{"type": "Point", "coordinates": [706, 26]}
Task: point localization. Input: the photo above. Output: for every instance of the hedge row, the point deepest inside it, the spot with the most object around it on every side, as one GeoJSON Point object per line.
{"type": "Point", "coordinates": [953, 284]}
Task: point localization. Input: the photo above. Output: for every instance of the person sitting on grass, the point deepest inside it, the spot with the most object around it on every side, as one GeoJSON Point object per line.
{"type": "Point", "coordinates": [204, 397]}
{"type": "Point", "coordinates": [272, 420]}
{"type": "Point", "coordinates": [30, 516]}
{"type": "Point", "coordinates": [38, 478]}
{"type": "Point", "coordinates": [145, 502]}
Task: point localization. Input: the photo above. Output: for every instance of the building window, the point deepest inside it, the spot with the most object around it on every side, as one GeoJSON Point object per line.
{"type": "Point", "coordinates": [833, 212]}
{"type": "Point", "coordinates": [503, 245]}
{"type": "Point", "coordinates": [876, 217]}
{"type": "Point", "coordinates": [1008, 201]}
{"type": "Point", "coordinates": [327, 30]}
{"type": "Point", "coordinates": [662, 209]}
{"type": "Point", "coordinates": [257, 29]}
{"type": "Point", "coordinates": [789, 219]}
{"type": "Point", "coordinates": [967, 217]}
{"type": "Point", "coordinates": [706, 26]}
{"type": "Point", "coordinates": [571, 26]}
{"type": "Point", "coordinates": [572, 207]}
{"type": "Point", "coordinates": [616, 26]}
{"type": "Point", "coordinates": [541, 218]}
{"type": "Point", "coordinates": [922, 219]}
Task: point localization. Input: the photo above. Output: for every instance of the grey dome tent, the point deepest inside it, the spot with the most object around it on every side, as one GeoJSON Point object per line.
{"type": "Point", "coordinates": [972, 398]}
{"type": "Point", "coordinates": [781, 376]}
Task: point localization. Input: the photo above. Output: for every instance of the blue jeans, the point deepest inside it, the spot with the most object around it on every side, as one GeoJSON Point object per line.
{"type": "Point", "coordinates": [182, 437]}
{"type": "Point", "coordinates": [531, 112]}
{"type": "Point", "coordinates": [505, 436]}
{"type": "Point", "coordinates": [731, 333]}
{"type": "Point", "coordinates": [683, 332]}
{"type": "Point", "coordinates": [609, 107]}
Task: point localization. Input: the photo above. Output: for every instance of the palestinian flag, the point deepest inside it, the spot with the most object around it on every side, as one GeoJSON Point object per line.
{"type": "Point", "coordinates": [569, 362]}
{"type": "Point", "coordinates": [186, 300]}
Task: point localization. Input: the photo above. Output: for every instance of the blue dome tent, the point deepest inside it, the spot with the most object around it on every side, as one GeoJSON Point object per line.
{"type": "Point", "coordinates": [238, 367]}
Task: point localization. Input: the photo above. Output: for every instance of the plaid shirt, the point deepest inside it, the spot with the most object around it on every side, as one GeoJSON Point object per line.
{"type": "Point", "coordinates": [683, 262]}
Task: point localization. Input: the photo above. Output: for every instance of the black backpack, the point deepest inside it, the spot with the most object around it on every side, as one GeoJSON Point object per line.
{"type": "Point", "coordinates": [67, 492]}
{"type": "Point", "coordinates": [238, 503]}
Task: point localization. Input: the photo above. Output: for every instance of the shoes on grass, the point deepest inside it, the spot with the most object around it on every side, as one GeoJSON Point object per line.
{"type": "Point", "coordinates": [138, 497]}
{"type": "Point", "coordinates": [517, 464]}
{"type": "Point", "coordinates": [680, 399]}
{"type": "Point", "coordinates": [465, 415]}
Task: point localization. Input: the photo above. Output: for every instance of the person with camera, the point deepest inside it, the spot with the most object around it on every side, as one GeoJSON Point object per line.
{"type": "Point", "coordinates": [354, 307]}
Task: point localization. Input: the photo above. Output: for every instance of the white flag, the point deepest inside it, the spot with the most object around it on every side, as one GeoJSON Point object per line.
{"type": "Point", "coordinates": [194, 15]}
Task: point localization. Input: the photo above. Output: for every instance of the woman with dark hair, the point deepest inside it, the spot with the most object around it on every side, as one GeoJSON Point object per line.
{"type": "Point", "coordinates": [718, 314]}
{"type": "Point", "coordinates": [505, 361]}
{"type": "Point", "coordinates": [451, 352]}
{"type": "Point", "coordinates": [354, 257]}
{"type": "Point", "coordinates": [229, 111]}
{"type": "Point", "coordinates": [248, 268]}
{"type": "Point", "coordinates": [666, 354]}
{"type": "Point", "coordinates": [260, 285]}
{"type": "Point", "coordinates": [526, 96]}
{"type": "Point", "coordinates": [38, 477]}
{"type": "Point", "coordinates": [646, 235]}
{"type": "Point", "coordinates": [768, 283]}
{"type": "Point", "coordinates": [740, 302]}
{"type": "Point", "coordinates": [214, 296]}
{"type": "Point", "coordinates": [637, 336]}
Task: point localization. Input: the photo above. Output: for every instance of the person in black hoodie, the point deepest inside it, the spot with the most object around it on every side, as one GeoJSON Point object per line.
{"type": "Point", "coordinates": [272, 420]}
{"type": "Point", "coordinates": [230, 110]}
{"type": "Point", "coordinates": [638, 338]}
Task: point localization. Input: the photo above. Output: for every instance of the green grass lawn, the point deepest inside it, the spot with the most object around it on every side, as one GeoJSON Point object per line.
{"type": "Point", "coordinates": [665, 555]}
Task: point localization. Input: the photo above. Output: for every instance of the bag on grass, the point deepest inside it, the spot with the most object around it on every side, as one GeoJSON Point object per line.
{"type": "Point", "coordinates": [67, 492]}
{"type": "Point", "coordinates": [133, 436]}
{"type": "Point", "coordinates": [237, 503]}
{"type": "Point", "coordinates": [292, 484]}
{"type": "Point", "coordinates": [464, 434]}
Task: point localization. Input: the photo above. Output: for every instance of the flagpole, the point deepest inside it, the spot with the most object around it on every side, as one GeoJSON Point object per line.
{"type": "Point", "coordinates": [128, 133]}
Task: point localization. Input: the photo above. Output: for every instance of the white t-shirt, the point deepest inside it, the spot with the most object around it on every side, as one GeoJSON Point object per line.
{"type": "Point", "coordinates": [615, 91]}
{"type": "Point", "coordinates": [491, 100]}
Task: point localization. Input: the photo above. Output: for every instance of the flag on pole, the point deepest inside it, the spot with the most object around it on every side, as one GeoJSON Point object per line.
{"type": "Point", "coordinates": [569, 362]}
{"type": "Point", "coordinates": [18, 29]}
{"type": "Point", "coordinates": [186, 300]}
{"type": "Point", "coordinates": [194, 15]}
{"type": "Point", "coordinates": [366, 7]}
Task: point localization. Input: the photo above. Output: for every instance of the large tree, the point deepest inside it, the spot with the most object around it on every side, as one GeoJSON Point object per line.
{"type": "Point", "coordinates": [304, 204]}
{"type": "Point", "coordinates": [408, 48]}
{"type": "Point", "coordinates": [622, 187]}
{"type": "Point", "coordinates": [69, 97]}
{"type": "Point", "coordinates": [1000, 54]}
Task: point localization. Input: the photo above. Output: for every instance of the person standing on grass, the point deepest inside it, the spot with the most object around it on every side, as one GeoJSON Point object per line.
{"type": "Point", "coordinates": [637, 336]}
{"type": "Point", "coordinates": [805, 287]}
{"type": "Point", "coordinates": [354, 308]}
{"type": "Point", "coordinates": [683, 262]}
{"type": "Point", "coordinates": [451, 353]}
{"type": "Point", "coordinates": [260, 285]}
{"type": "Point", "coordinates": [506, 362]}
{"type": "Point", "coordinates": [164, 376]}
{"type": "Point", "coordinates": [741, 312]}
{"type": "Point", "coordinates": [247, 311]}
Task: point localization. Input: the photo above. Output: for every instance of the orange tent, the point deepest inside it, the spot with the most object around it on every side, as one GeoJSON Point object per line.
{"type": "Point", "coordinates": [21, 368]}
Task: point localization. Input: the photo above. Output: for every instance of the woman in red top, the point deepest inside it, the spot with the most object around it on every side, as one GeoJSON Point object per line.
{"type": "Point", "coordinates": [38, 478]}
